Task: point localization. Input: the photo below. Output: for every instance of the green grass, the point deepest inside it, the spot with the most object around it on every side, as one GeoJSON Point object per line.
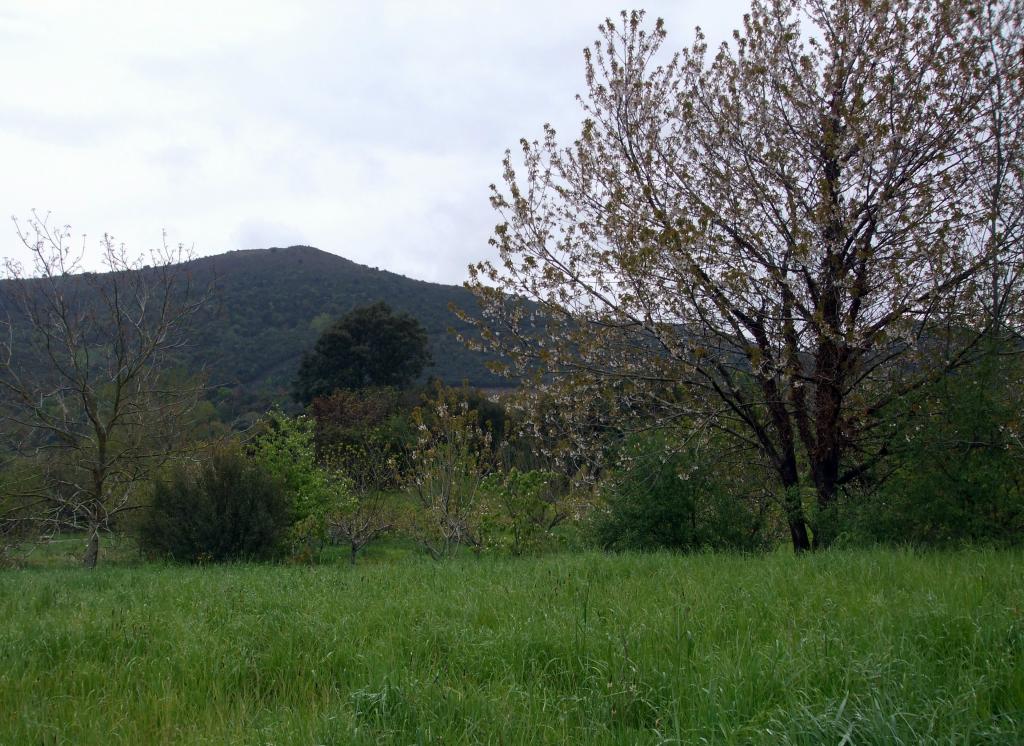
{"type": "Point", "coordinates": [67, 550]}
{"type": "Point", "coordinates": [845, 647]}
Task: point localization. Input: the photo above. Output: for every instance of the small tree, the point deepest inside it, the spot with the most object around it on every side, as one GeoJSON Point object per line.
{"type": "Point", "coordinates": [448, 465]}
{"type": "Point", "coordinates": [370, 346]}
{"type": "Point", "coordinates": [371, 474]}
{"type": "Point", "coordinates": [365, 435]}
{"type": "Point", "coordinates": [87, 387]}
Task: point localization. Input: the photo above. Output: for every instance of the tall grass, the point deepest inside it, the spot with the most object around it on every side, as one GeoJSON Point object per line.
{"type": "Point", "coordinates": [843, 647]}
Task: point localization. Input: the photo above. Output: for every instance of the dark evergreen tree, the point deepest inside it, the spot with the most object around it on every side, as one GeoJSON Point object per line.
{"type": "Point", "coordinates": [370, 346]}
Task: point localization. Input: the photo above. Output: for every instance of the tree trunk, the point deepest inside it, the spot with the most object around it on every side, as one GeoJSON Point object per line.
{"type": "Point", "coordinates": [826, 456]}
{"type": "Point", "coordinates": [92, 548]}
{"type": "Point", "coordinates": [99, 479]}
{"type": "Point", "coordinates": [826, 525]}
{"type": "Point", "coordinates": [798, 533]}
{"type": "Point", "coordinates": [793, 505]}
{"type": "Point", "coordinates": [354, 550]}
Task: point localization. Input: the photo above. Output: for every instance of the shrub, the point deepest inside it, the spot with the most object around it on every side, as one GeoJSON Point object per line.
{"type": "Point", "coordinates": [958, 474]}
{"type": "Point", "coordinates": [662, 498]}
{"type": "Point", "coordinates": [523, 508]}
{"type": "Point", "coordinates": [286, 449]}
{"type": "Point", "coordinates": [231, 508]}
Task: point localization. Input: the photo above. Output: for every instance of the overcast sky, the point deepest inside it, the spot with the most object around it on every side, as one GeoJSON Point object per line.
{"type": "Point", "coordinates": [367, 129]}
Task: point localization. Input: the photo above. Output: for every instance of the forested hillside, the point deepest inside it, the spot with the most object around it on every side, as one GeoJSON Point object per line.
{"type": "Point", "coordinates": [268, 306]}
{"type": "Point", "coordinates": [271, 304]}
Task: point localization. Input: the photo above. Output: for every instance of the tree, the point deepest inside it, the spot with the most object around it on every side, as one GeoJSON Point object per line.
{"type": "Point", "coordinates": [370, 346]}
{"type": "Point", "coordinates": [365, 435]}
{"type": "Point", "coordinates": [371, 472]}
{"type": "Point", "coordinates": [88, 388]}
{"type": "Point", "coordinates": [449, 463]}
{"type": "Point", "coordinates": [796, 232]}
{"type": "Point", "coordinates": [285, 448]}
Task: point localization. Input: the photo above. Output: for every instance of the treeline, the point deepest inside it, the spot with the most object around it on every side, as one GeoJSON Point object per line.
{"type": "Point", "coordinates": [271, 306]}
{"type": "Point", "coordinates": [449, 470]}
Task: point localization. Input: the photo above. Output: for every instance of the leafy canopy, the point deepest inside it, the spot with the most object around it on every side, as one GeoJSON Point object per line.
{"type": "Point", "coordinates": [370, 346]}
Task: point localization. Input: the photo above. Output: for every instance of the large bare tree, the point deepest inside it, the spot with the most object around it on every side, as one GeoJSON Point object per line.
{"type": "Point", "coordinates": [780, 239]}
{"type": "Point", "coordinates": [89, 389]}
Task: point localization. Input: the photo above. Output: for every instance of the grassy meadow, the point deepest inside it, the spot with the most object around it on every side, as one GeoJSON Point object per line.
{"type": "Point", "coordinates": [848, 647]}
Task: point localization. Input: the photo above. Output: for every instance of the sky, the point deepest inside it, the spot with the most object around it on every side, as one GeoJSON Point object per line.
{"type": "Point", "coordinates": [368, 129]}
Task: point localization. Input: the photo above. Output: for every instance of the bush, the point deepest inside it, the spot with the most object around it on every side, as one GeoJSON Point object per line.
{"type": "Point", "coordinates": [958, 474]}
{"type": "Point", "coordinates": [523, 508]}
{"type": "Point", "coordinates": [229, 509]}
{"type": "Point", "coordinates": [661, 498]}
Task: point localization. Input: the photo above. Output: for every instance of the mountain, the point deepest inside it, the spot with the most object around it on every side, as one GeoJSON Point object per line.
{"type": "Point", "coordinates": [271, 305]}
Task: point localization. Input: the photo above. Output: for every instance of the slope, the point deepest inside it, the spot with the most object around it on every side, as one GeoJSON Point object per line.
{"type": "Point", "coordinates": [271, 305]}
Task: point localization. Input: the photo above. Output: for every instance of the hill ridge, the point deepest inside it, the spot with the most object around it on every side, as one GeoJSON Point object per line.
{"type": "Point", "coordinates": [273, 302]}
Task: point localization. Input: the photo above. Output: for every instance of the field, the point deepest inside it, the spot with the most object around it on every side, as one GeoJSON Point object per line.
{"type": "Point", "coordinates": [842, 647]}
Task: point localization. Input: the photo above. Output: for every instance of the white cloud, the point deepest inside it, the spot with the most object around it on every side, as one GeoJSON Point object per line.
{"type": "Point", "coordinates": [368, 129]}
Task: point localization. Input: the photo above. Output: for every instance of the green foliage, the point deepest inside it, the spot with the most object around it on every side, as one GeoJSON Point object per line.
{"type": "Point", "coordinates": [662, 497]}
{"type": "Point", "coordinates": [231, 508]}
{"type": "Point", "coordinates": [286, 449]}
{"type": "Point", "coordinates": [309, 534]}
{"type": "Point", "coordinates": [958, 475]}
{"type": "Point", "coordinates": [321, 322]}
{"type": "Point", "coordinates": [522, 508]}
{"type": "Point", "coordinates": [368, 347]}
